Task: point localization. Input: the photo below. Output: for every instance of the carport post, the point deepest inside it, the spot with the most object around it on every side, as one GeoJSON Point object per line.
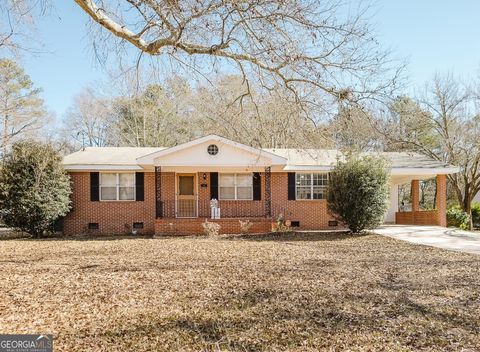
{"type": "Point", "coordinates": [415, 195]}
{"type": "Point", "coordinates": [441, 200]}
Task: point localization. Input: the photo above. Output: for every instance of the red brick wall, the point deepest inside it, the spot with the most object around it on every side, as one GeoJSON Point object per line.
{"type": "Point", "coordinates": [421, 217]}
{"type": "Point", "coordinates": [312, 214]}
{"type": "Point", "coordinates": [116, 217]}
{"type": "Point", "coordinates": [113, 217]}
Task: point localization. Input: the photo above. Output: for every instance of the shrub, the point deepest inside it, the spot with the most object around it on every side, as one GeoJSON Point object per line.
{"type": "Point", "coordinates": [476, 214]}
{"type": "Point", "coordinates": [280, 225]}
{"type": "Point", "coordinates": [34, 188]}
{"type": "Point", "coordinates": [358, 191]}
{"type": "Point", "coordinates": [458, 218]}
{"type": "Point", "coordinates": [211, 229]}
{"type": "Point", "coordinates": [245, 226]}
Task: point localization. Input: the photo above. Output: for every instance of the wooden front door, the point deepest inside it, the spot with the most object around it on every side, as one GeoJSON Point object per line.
{"type": "Point", "coordinates": [186, 196]}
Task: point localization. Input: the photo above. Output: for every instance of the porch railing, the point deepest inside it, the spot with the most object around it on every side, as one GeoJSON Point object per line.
{"type": "Point", "coordinates": [195, 207]}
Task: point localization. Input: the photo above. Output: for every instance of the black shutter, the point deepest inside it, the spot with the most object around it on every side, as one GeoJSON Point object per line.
{"type": "Point", "coordinates": [257, 186]}
{"type": "Point", "coordinates": [213, 185]}
{"type": "Point", "coordinates": [139, 186]}
{"type": "Point", "coordinates": [291, 186]}
{"type": "Point", "coordinates": [94, 186]}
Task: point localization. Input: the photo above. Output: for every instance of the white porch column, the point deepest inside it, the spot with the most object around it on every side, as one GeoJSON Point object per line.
{"type": "Point", "coordinates": [393, 208]}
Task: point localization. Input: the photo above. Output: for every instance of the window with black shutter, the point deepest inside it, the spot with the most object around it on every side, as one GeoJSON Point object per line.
{"type": "Point", "coordinates": [257, 186]}
{"type": "Point", "coordinates": [94, 186]}
{"type": "Point", "coordinates": [291, 186]}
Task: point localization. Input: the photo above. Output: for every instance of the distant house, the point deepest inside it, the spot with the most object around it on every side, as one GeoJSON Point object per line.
{"type": "Point", "coordinates": [170, 190]}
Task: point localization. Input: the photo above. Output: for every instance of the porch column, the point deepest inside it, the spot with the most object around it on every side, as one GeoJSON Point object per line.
{"type": "Point", "coordinates": [158, 192]}
{"type": "Point", "coordinates": [415, 195]}
{"type": "Point", "coordinates": [268, 192]}
{"type": "Point", "coordinates": [441, 199]}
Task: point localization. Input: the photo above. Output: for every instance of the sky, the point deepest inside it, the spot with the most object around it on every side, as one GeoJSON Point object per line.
{"type": "Point", "coordinates": [432, 35]}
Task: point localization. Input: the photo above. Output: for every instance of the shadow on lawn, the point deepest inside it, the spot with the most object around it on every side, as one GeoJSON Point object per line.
{"type": "Point", "coordinates": [81, 238]}
{"type": "Point", "coordinates": [275, 237]}
{"type": "Point", "coordinates": [297, 236]}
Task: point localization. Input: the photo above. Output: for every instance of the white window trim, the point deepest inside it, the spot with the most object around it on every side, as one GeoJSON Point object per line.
{"type": "Point", "coordinates": [311, 186]}
{"type": "Point", "coordinates": [234, 185]}
{"type": "Point", "coordinates": [117, 186]}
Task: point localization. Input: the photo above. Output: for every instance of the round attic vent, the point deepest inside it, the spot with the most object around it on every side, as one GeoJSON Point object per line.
{"type": "Point", "coordinates": [212, 149]}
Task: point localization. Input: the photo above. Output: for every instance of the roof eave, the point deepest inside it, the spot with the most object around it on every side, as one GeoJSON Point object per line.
{"type": "Point", "coordinates": [393, 171]}
{"type": "Point", "coordinates": [103, 167]}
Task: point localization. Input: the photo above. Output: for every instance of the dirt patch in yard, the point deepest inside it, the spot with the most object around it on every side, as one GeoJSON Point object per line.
{"type": "Point", "coordinates": [296, 292]}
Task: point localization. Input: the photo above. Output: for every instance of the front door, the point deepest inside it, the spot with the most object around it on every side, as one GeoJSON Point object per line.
{"type": "Point", "coordinates": [186, 197]}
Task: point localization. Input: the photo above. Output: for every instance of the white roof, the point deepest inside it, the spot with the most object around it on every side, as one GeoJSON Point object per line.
{"type": "Point", "coordinates": [325, 159]}
{"type": "Point", "coordinates": [318, 157]}
{"type": "Point", "coordinates": [329, 157]}
{"type": "Point", "coordinates": [107, 158]}
{"type": "Point", "coordinates": [135, 158]}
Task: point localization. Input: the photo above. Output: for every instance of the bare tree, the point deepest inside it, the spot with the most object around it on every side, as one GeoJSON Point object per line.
{"type": "Point", "coordinates": [88, 121]}
{"type": "Point", "coordinates": [21, 108]}
{"type": "Point", "coordinates": [319, 51]}
{"type": "Point", "coordinates": [154, 117]}
{"type": "Point", "coordinates": [351, 129]}
{"type": "Point", "coordinates": [175, 111]}
{"type": "Point", "coordinates": [266, 119]}
{"type": "Point", "coordinates": [17, 24]}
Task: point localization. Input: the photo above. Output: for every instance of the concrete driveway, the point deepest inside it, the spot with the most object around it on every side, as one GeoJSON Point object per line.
{"type": "Point", "coordinates": [436, 236]}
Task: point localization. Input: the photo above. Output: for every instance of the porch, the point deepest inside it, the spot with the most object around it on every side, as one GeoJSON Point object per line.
{"type": "Point", "coordinates": [189, 194]}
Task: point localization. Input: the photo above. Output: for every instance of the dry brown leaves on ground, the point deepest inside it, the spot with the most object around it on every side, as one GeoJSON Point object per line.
{"type": "Point", "coordinates": [295, 292]}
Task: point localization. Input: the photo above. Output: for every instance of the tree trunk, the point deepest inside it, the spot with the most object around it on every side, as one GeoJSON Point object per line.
{"type": "Point", "coordinates": [467, 208]}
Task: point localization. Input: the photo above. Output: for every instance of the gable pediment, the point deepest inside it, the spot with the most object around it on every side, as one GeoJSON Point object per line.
{"type": "Point", "coordinates": [195, 153]}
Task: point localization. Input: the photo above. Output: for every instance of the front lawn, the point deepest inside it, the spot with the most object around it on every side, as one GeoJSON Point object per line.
{"type": "Point", "coordinates": [298, 292]}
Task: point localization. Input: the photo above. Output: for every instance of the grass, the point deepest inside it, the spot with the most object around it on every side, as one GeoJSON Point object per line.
{"type": "Point", "coordinates": [297, 292]}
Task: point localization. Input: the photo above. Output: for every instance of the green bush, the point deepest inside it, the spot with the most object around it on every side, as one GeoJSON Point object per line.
{"type": "Point", "coordinates": [358, 191]}
{"type": "Point", "coordinates": [476, 214]}
{"type": "Point", "coordinates": [457, 217]}
{"type": "Point", "coordinates": [34, 188]}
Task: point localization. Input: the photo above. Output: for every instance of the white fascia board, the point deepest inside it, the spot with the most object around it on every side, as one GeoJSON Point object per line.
{"type": "Point", "coordinates": [90, 167]}
{"type": "Point", "coordinates": [307, 168]}
{"type": "Point", "coordinates": [424, 171]}
{"type": "Point", "coordinates": [393, 171]}
{"type": "Point", "coordinates": [149, 158]}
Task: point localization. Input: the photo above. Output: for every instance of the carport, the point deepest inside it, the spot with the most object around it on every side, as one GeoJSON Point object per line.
{"type": "Point", "coordinates": [414, 168]}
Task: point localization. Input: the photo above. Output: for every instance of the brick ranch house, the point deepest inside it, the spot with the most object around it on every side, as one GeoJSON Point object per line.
{"type": "Point", "coordinates": [169, 190]}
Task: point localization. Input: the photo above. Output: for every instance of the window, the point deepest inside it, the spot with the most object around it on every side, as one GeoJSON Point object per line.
{"type": "Point", "coordinates": [212, 149]}
{"type": "Point", "coordinates": [117, 186]}
{"type": "Point", "coordinates": [311, 186]}
{"type": "Point", "coordinates": [235, 186]}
